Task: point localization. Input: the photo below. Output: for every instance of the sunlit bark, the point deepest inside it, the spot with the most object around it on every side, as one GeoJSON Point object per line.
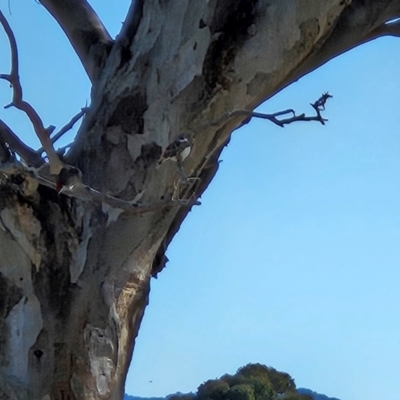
{"type": "Point", "coordinates": [74, 273]}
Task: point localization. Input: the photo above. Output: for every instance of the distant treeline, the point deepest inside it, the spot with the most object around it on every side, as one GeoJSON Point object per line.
{"type": "Point", "coordinates": [251, 382]}
{"type": "Point", "coordinates": [315, 395]}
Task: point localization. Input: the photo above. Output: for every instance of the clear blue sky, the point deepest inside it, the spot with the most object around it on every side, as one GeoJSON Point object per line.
{"type": "Point", "coordinates": [293, 260]}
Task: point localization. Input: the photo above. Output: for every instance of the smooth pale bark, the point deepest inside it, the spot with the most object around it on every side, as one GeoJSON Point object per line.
{"type": "Point", "coordinates": [75, 275]}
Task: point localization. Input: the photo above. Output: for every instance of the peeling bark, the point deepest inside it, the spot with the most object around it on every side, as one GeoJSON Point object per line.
{"type": "Point", "coordinates": [76, 273]}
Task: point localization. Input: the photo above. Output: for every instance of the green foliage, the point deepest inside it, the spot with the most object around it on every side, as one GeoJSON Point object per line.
{"type": "Point", "coordinates": [240, 392]}
{"type": "Point", "coordinates": [183, 396]}
{"type": "Point", "coordinates": [233, 380]}
{"type": "Point", "coordinates": [314, 395]}
{"type": "Point", "coordinates": [257, 376]}
{"type": "Point", "coordinates": [214, 389]}
{"type": "Point", "coordinates": [280, 382]}
{"type": "Point", "coordinates": [251, 382]}
{"type": "Point", "coordinates": [253, 370]}
{"type": "Point", "coordinates": [296, 396]}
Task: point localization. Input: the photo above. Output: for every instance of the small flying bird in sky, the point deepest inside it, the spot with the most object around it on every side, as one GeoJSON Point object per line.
{"type": "Point", "coordinates": [179, 148]}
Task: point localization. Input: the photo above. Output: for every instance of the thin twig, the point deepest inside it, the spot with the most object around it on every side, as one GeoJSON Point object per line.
{"type": "Point", "coordinates": [183, 180]}
{"type": "Point", "coordinates": [86, 193]}
{"type": "Point", "coordinates": [70, 183]}
{"type": "Point", "coordinates": [70, 124]}
{"type": "Point", "coordinates": [66, 128]}
{"type": "Point", "coordinates": [18, 102]}
{"type": "Point", "coordinates": [179, 163]}
{"type": "Point", "coordinates": [61, 150]}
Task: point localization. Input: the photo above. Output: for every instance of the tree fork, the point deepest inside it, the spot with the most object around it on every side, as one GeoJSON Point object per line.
{"type": "Point", "coordinates": [76, 273]}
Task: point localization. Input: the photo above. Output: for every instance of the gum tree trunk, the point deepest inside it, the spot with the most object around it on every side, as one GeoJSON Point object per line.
{"type": "Point", "coordinates": [75, 274]}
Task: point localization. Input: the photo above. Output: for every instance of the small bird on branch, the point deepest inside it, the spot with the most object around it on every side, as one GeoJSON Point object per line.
{"type": "Point", "coordinates": [69, 179]}
{"type": "Point", "coordinates": [177, 151]}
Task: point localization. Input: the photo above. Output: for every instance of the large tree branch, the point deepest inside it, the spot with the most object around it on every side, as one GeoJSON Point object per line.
{"type": "Point", "coordinates": [359, 23]}
{"type": "Point", "coordinates": [387, 29]}
{"type": "Point", "coordinates": [85, 31]}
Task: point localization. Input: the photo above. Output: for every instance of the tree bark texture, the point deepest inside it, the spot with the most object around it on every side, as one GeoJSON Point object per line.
{"type": "Point", "coordinates": [75, 274]}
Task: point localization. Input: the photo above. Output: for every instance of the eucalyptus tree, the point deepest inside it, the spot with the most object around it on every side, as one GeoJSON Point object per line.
{"type": "Point", "coordinates": [83, 231]}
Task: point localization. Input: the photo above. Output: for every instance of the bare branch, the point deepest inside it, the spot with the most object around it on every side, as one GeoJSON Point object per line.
{"type": "Point", "coordinates": [66, 128]}
{"type": "Point", "coordinates": [360, 22]}
{"type": "Point", "coordinates": [63, 149]}
{"type": "Point", "coordinates": [14, 59]}
{"type": "Point", "coordinates": [42, 132]}
{"type": "Point", "coordinates": [318, 106]}
{"type": "Point", "coordinates": [70, 183]}
{"type": "Point", "coordinates": [78, 190]}
{"type": "Point", "coordinates": [85, 31]}
{"type": "Point", "coordinates": [19, 147]}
